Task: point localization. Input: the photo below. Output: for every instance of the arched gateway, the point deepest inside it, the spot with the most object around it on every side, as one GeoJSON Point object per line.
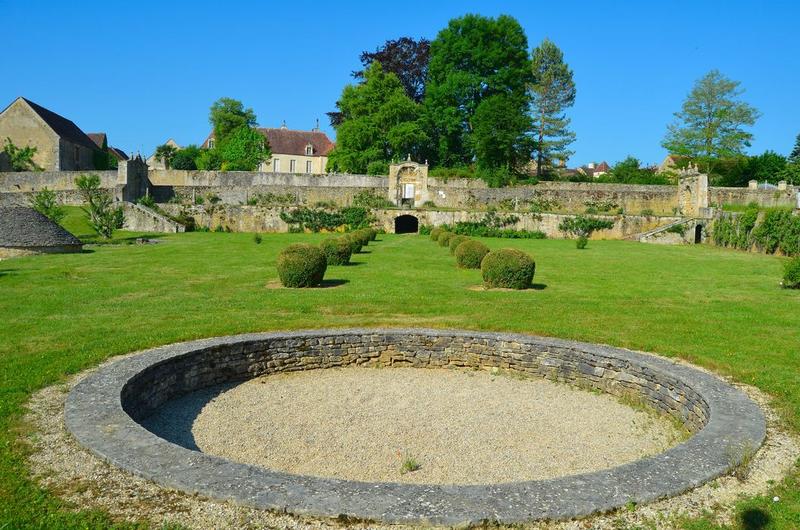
{"type": "Point", "coordinates": [406, 224]}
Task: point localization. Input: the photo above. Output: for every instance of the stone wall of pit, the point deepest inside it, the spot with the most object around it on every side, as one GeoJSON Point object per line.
{"type": "Point", "coordinates": [101, 413]}
{"type": "Point", "coordinates": [222, 364]}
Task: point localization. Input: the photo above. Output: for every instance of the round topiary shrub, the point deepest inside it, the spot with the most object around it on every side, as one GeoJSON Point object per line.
{"type": "Point", "coordinates": [444, 238]}
{"type": "Point", "coordinates": [337, 251]}
{"type": "Point", "coordinates": [373, 234]}
{"type": "Point", "coordinates": [435, 233]}
{"type": "Point", "coordinates": [470, 253]}
{"type": "Point", "coordinates": [363, 236]}
{"type": "Point", "coordinates": [509, 268]}
{"type": "Point", "coordinates": [455, 241]}
{"type": "Point", "coordinates": [355, 243]}
{"type": "Point", "coordinates": [791, 274]}
{"type": "Point", "coordinates": [301, 265]}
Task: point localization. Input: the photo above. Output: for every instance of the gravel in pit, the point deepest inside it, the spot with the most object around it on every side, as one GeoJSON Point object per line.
{"type": "Point", "coordinates": [380, 424]}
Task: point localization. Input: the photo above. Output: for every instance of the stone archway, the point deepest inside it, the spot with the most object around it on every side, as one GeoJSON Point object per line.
{"type": "Point", "coordinates": [406, 224]}
{"type": "Point", "coordinates": [698, 234]}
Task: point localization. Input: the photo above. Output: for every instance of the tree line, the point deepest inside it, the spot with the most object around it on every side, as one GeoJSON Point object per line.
{"type": "Point", "coordinates": [475, 102]}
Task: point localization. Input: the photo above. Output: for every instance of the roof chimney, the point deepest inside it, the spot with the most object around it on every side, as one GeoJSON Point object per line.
{"type": "Point", "coordinates": [316, 129]}
{"type": "Point", "coordinates": [283, 125]}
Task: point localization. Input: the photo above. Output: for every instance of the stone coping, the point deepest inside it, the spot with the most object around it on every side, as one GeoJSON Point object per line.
{"type": "Point", "coordinates": [100, 413]}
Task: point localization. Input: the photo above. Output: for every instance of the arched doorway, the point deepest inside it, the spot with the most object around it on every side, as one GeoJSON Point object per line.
{"type": "Point", "coordinates": [698, 234]}
{"type": "Point", "coordinates": [406, 224]}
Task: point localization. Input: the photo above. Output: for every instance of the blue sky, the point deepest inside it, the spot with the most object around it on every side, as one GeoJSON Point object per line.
{"type": "Point", "coordinates": [146, 71]}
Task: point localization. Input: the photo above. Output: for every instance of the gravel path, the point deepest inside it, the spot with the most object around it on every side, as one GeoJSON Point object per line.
{"type": "Point", "coordinates": [461, 427]}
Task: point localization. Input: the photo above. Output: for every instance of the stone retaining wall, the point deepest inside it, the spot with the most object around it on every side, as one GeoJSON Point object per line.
{"type": "Point", "coordinates": [102, 410]}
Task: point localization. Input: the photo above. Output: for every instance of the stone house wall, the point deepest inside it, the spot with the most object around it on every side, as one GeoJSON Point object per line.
{"type": "Point", "coordinates": [26, 128]}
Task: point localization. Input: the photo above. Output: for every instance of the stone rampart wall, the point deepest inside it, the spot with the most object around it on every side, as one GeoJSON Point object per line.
{"type": "Point", "coordinates": [27, 181]}
{"type": "Point", "coordinates": [240, 218]}
{"type": "Point", "coordinates": [141, 219]}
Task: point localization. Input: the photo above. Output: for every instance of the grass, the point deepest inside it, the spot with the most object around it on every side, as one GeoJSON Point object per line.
{"type": "Point", "coordinates": [409, 465]}
{"type": "Point", "coordinates": [63, 313]}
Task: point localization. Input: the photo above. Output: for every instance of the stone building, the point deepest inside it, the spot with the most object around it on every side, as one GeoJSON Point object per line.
{"type": "Point", "coordinates": [101, 141]}
{"type": "Point", "coordinates": [24, 231]}
{"type": "Point", "coordinates": [60, 144]}
{"type": "Point", "coordinates": [157, 163]}
{"type": "Point", "coordinates": [293, 151]}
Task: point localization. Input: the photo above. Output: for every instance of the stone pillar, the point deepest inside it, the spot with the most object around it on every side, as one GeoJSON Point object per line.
{"type": "Point", "coordinates": [693, 194]}
{"type": "Point", "coordinates": [132, 176]}
{"type": "Point", "coordinates": [782, 185]}
{"type": "Point", "coordinates": [753, 184]}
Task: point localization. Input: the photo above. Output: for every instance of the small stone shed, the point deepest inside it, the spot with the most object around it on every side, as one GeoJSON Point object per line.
{"type": "Point", "coordinates": [24, 231]}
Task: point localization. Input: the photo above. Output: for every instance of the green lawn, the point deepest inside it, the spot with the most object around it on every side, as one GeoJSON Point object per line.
{"type": "Point", "coordinates": [63, 313]}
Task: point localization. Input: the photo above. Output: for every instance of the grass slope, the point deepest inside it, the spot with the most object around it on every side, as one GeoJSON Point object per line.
{"type": "Point", "coordinates": [63, 313]}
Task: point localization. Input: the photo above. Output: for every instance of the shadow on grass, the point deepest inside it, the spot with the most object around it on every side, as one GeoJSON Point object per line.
{"type": "Point", "coordinates": [6, 272]}
{"type": "Point", "coordinates": [117, 240]}
{"type": "Point", "coordinates": [353, 264]}
{"type": "Point", "coordinates": [754, 519]}
{"type": "Point", "coordinates": [538, 286]}
{"type": "Point", "coordinates": [332, 283]}
{"type": "Point", "coordinates": [87, 250]}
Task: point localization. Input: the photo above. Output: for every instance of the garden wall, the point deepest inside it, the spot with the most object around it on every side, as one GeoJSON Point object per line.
{"type": "Point", "coordinates": [241, 218]}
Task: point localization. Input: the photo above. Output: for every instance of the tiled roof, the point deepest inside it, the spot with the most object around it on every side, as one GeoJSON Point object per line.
{"type": "Point", "coordinates": [118, 153]}
{"type": "Point", "coordinates": [63, 127]}
{"type": "Point", "coordinates": [289, 142]}
{"type": "Point", "coordinates": [99, 139]}
{"type": "Point", "coordinates": [23, 227]}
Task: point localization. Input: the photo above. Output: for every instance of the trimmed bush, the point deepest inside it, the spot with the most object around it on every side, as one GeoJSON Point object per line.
{"type": "Point", "coordinates": [509, 268]}
{"type": "Point", "coordinates": [301, 265]}
{"type": "Point", "coordinates": [455, 241]}
{"type": "Point", "coordinates": [337, 251]}
{"type": "Point", "coordinates": [355, 243]}
{"type": "Point", "coordinates": [791, 274]}
{"type": "Point", "coordinates": [373, 234]}
{"type": "Point", "coordinates": [435, 233]}
{"type": "Point", "coordinates": [581, 242]}
{"type": "Point", "coordinates": [363, 236]}
{"type": "Point", "coordinates": [470, 253]}
{"type": "Point", "coordinates": [444, 238]}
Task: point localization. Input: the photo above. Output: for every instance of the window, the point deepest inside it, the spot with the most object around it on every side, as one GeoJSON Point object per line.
{"type": "Point", "coordinates": [308, 166]}
{"type": "Point", "coordinates": [292, 166]}
{"type": "Point", "coordinates": [309, 150]}
{"type": "Point", "coordinates": [211, 143]}
{"type": "Point", "coordinates": [276, 165]}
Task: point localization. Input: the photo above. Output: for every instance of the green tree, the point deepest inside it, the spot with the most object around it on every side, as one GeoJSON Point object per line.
{"type": "Point", "coordinates": [103, 216]}
{"type": "Point", "coordinates": [379, 124]}
{"type": "Point", "coordinates": [473, 58]}
{"type": "Point", "coordinates": [630, 171]}
{"type": "Point", "coordinates": [45, 202]}
{"type": "Point", "coordinates": [500, 139]}
{"type": "Point", "coordinates": [243, 149]}
{"type": "Point", "coordinates": [712, 121]}
{"type": "Point", "coordinates": [227, 115]}
{"type": "Point", "coordinates": [794, 156]}
{"type": "Point", "coordinates": [186, 158]}
{"type": "Point", "coordinates": [165, 153]}
{"type": "Point", "coordinates": [21, 158]}
{"type": "Point", "coordinates": [583, 227]}
{"type": "Point", "coordinates": [766, 167]}
{"type": "Point", "coordinates": [552, 91]}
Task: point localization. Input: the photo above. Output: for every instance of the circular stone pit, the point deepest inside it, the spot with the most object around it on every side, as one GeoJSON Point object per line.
{"type": "Point", "coordinates": [103, 413]}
